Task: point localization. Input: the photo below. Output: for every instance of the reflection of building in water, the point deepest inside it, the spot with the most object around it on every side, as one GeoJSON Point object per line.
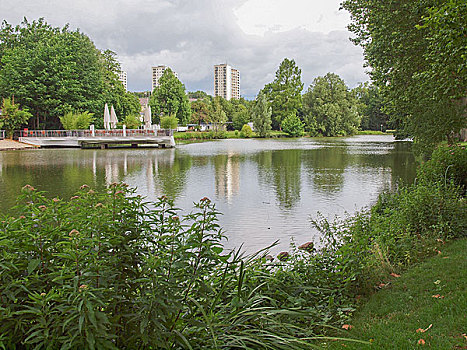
{"type": "Point", "coordinates": [227, 175]}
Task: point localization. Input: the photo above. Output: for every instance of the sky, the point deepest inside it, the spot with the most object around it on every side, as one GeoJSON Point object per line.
{"type": "Point", "coordinates": [191, 36]}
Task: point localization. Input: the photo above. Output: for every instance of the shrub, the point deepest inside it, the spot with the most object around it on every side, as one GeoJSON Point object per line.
{"type": "Point", "coordinates": [169, 122]}
{"type": "Point", "coordinates": [448, 164]}
{"type": "Point", "coordinates": [293, 126]}
{"type": "Point", "coordinates": [246, 131]}
{"type": "Point", "coordinates": [132, 121]}
{"type": "Point", "coordinates": [76, 121]}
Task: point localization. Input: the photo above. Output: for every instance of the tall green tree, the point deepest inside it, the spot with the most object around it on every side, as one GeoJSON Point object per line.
{"type": "Point", "coordinates": [217, 115]}
{"type": "Point", "coordinates": [12, 117]}
{"type": "Point", "coordinates": [371, 107]}
{"type": "Point", "coordinates": [330, 108]}
{"type": "Point", "coordinates": [285, 92]}
{"type": "Point", "coordinates": [261, 114]}
{"type": "Point", "coordinates": [417, 53]}
{"type": "Point", "coordinates": [240, 117]}
{"type": "Point", "coordinates": [169, 98]}
{"type": "Point", "coordinates": [199, 112]}
{"type": "Point", "coordinates": [52, 71]}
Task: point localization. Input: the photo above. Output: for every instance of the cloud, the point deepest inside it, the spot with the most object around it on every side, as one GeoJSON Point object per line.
{"type": "Point", "coordinates": [192, 36]}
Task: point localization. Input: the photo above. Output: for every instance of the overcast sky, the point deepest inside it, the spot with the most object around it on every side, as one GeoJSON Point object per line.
{"type": "Point", "coordinates": [190, 36]}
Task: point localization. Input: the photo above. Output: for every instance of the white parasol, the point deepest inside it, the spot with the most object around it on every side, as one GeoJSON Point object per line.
{"type": "Point", "coordinates": [113, 118]}
{"type": "Point", "coordinates": [106, 117]}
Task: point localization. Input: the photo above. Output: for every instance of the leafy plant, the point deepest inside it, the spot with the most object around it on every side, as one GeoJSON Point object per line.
{"type": "Point", "coordinates": [246, 131]}
{"type": "Point", "coordinates": [12, 117]}
{"type": "Point", "coordinates": [293, 126]}
{"type": "Point", "coordinates": [76, 121]}
{"type": "Point", "coordinates": [169, 122]}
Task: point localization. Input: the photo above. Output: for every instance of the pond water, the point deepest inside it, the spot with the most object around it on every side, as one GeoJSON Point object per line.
{"type": "Point", "coordinates": [267, 189]}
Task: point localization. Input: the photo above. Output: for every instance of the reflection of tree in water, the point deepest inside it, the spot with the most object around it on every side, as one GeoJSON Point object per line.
{"type": "Point", "coordinates": [171, 176]}
{"type": "Point", "coordinates": [326, 166]}
{"type": "Point", "coordinates": [402, 163]}
{"type": "Point", "coordinates": [227, 174]}
{"type": "Point", "coordinates": [282, 170]}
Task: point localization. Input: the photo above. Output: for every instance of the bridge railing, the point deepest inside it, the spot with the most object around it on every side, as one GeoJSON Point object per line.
{"type": "Point", "coordinates": [97, 133]}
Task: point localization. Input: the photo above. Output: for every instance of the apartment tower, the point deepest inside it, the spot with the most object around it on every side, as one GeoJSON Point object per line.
{"type": "Point", "coordinates": [122, 78]}
{"type": "Point", "coordinates": [157, 74]}
{"type": "Point", "coordinates": [226, 82]}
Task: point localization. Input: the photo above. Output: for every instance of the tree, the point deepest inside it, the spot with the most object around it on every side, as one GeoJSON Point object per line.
{"type": "Point", "coordinates": [330, 108]}
{"type": "Point", "coordinates": [132, 121]}
{"type": "Point", "coordinates": [169, 98]}
{"type": "Point", "coordinates": [54, 70]}
{"type": "Point", "coordinates": [293, 126]}
{"type": "Point", "coordinates": [417, 52]}
{"type": "Point", "coordinates": [198, 95]}
{"type": "Point", "coordinates": [12, 117]}
{"type": "Point", "coordinates": [217, 115]}
{"type": "Point", "coordinates": [240, 117]}
{"type": "Point", "coordinates": [370, 107]}
{"type": "Point", "coordinates": [261, 115]}
{"type": "Point", "coordinates": [284, 93]}
{"type": "Point", "coordinates": [199, 112]}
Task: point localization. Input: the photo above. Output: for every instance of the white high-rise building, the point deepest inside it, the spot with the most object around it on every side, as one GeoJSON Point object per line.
{"type": "Point", "coordinates": [157, 74]}
{"type": "Point", "coordinates": [122, 78]}
{"type": "Point", "coordinates": [226, 82]}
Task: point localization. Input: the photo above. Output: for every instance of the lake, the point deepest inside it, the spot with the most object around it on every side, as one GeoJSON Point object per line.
{"type": "Point", "coordinates": [266, 189]}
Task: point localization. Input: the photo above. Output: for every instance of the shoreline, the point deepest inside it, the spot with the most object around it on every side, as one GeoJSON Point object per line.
{"type": "Point", "coordinates": [11, 145]}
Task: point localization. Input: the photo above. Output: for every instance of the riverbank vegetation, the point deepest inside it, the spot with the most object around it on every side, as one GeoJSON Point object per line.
{"type": "Point", "coordinates": [107, 270]}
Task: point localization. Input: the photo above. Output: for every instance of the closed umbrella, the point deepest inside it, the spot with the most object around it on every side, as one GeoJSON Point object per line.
{"type": "Point", "coordinates": [106, 117]}
{"type": "Point", "coordinates": [113, 118]}
{"type": "Point", "coordinates": [147, 118]}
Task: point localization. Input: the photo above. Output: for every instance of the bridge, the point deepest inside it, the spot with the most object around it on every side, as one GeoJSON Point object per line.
{"type": "Point", "coordinates": [100, 138]}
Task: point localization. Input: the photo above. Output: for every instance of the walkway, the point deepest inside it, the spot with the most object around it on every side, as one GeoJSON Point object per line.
{"type": "Point", "coordinates": [6, 145]}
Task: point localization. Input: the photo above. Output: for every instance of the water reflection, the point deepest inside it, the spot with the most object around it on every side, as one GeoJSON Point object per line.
{"type": "Point", "coordinates": [266, 189]}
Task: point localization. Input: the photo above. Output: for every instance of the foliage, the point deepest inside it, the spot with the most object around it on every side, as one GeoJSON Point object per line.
{"type": "Point", "coordinates": [169, 98]}
{"type": "Point", "coordinates": [54, 70]}
{"type": "Point", "coordinates": [169, 122]}
{"type": "Point", "coordinates": [199, 112]}
{"type": "Point", "coordinates": [132, 121]}
{"type": "Point", "coordinates": [107, 270]}
{"type": "Point", "coordinates": [199, 95]}
{"type": "Point", "coordinates": [217, 116]}
{"type": "Point", "coordinates": [246, 131]}
{"type": "Point", "coordinates": [261, 115]}
{"type": "Point", "coordinates": [76, 121]}
{"type": "Point", "coordinates": [12, 117]}
{"type": "Point", "coordinates": [284, 93]}
{"type": "Point", "coordinates": [416, 51]}
{"type": "Point", "coordinates": [370, 107]}
{"type": "Point", "coordinates": [240, 117]}
{"type": "Point", "coordinates": [448, 164]}
{"type": "Point", "coordinates": [293, 126]}
{"type": "Point", "coordinates": [330, 109]}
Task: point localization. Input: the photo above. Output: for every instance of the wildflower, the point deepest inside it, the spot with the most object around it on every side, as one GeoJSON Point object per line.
{"type": "Point", "coordinates": [175, 218]}
{"type": "Point", "coordinates": [113, 184]}
{"type": "Point", "coordinates": [91, 192]}
{"type": "Point", "coordinates": [42, 207]}
{"type": "Point", "coordinates": [118, 192]}
{"type": "Point", "coordinates": [283, 256]}
{"type": "Point", "coordinates": [42, 294]}
{"type": "Point", "coordinates": [28, 188]}
{"type": "Point", "coordinates": [98, 205]}
{"type": "Point", "coordinates": [83, 287]}
{"type": "Point", "coordinates": [205, 199]}
{"type": "Point", "coordinates": [74, 197]}
{"type": "Point", "coordinates": [56, 200]}
{"type": "Point", "coordinates": [83, 187]}
{"type": "Point", "coordinates": [22, 217]}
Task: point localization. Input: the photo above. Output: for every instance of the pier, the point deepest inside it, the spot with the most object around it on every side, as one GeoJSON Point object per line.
{"type": "Point", "coordinates": [100, 138]}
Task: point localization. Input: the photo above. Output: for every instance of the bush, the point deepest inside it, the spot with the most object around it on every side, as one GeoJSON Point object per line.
{"type": "Point", "coordinates": [103, 270]}
{"type": "Point", "coordinates": [448, 164]}
{"type": "Point", "coordinates": [293, 126]}
{"type": "Point", "coordinates": [77, 121]}
{"type": "Point", "coordinates": [169, 122]}
{"type": "Point", "coordinates": [132, 121]}
{"type": "Point", "coordinates": [246, 131]}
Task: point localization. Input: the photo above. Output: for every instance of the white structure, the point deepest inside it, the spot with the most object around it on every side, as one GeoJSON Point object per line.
{"type": "Point", "coordinates": [157, 74]}
{"type": "Point", "coordinates": [122, 78]}
{"type": "Point", "coordinates": [226, 82]}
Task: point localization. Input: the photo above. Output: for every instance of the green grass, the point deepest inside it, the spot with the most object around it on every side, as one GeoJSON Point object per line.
{"type": "Point", "coordinates": [391, 317]}
{"type": "Point", "coordinates": [371, 132]}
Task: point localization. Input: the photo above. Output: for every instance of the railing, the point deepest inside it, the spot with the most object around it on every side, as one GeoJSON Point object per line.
{"type": "Point", "coordinates": [97, 133]}
{"type": "Point", "coordinates": [2, 134]}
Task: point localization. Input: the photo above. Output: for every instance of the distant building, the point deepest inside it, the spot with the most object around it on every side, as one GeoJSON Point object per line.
{"type": "Point", "coordinates": [122, 78]}
{"type": "Point", "coordinates": [226, 82]}
{"type": "Point", "coordinates": [157, 74]}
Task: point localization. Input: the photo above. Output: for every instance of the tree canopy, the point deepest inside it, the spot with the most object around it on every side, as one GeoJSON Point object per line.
{"type": "Point", "coordinates": [169, 98]}
{"type": "Point", "coordinates": [284, 93]}
{"type": "Point", "coordinates": [261, 115]}
{"type": "Point", "coordinates": [330, 108]}
{"type": "Point", "coordinates": [417, 53]}
{"type": "Point", "coordinates": [52, 71]}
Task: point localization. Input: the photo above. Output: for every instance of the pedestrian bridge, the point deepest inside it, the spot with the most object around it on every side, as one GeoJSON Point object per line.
{"type": "Point", "coordinates": [101, 138]}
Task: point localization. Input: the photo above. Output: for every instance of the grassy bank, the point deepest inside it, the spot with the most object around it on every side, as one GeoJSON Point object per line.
{"type": "Point", "coordinates": [426, 304]}
{"type": "Point", "coordinates": [211, 135]}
